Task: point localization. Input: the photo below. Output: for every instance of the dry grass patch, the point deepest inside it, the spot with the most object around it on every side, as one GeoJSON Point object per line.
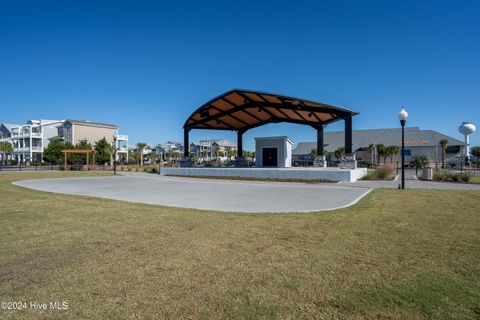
{"type": "Point", "coordinates": [397, 254]}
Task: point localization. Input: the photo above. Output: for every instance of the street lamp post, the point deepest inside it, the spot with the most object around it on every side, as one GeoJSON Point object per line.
{"type": "Point", "coordinates": [403, 115]}
{"type": "Point", "coordinates": [115, 154]}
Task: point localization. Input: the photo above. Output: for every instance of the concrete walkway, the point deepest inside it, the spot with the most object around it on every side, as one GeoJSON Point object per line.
{"type": "Point", "coordinates": [207, 194]}
{"type": "Point", "coordinates": [411, 182]}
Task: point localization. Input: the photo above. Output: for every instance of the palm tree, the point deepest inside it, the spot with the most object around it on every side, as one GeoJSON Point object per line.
{"type": "Point", "coordinates": [339, 153]}
{"type": "Point", "coordinates": [419, 162]}
{"type": "Point", "coordinates": [371, 149]}
{"type": "Point", "coordinates": [218, 154]}
{"type": "Point", "coordinates": [396, 150]}
{"type": "Point", "coordinates": [154, 158]}
{"type": "Point", "coordinates": [5, 147]}
{"type": "Point", "coordinates": [141, 148]}
{"type": "Point", "coordinates": [172, 156]}
{"type": "Point", "coordinates": [392, 151]}
{"type": "Point", "coordinates": [385, 154]}
{"type": "Point", "coordinates": [380, 152]}
{"type": "Point", "coordinates": [133, 157]}
{"type": "Point", "coordinates": [443, 145]}
{"type": "Point", "coordinates": [475, 151]}
{"type": "Point", "coordinates": [313, 153]}
{"type": "Point", "coordinates": [231, 153]}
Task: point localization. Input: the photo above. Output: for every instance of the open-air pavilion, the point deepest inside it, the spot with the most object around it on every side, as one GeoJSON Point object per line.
{"type": "Point", "coordinates": [241, 110]}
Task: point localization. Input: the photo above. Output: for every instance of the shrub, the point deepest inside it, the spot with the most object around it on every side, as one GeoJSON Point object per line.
{"type": "Point", "coordinates": [381, 173]}
{"type": "Point", "coordinates": [451, 176]}
{"type": "Point", "coordinates": [153, 170]}
{"type": "Point", "coordinates": [440, 176]}
{"type": "Point", "coordinates": [465, 177]}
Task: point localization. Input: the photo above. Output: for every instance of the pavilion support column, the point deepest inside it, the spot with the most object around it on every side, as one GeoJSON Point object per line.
{"type": "Point", "coordinates": [186, 161]}
{"type": "Point", "coordinates": [239, 144]}
{"type": "Point", "coordinates": [240, 160]}
{"type": "Point", "coordinates": [320, 141]}
{"type": "Point", "coordinates": [348, 134]}
{"type": "Point", "coordinates": [348, 161]}
{"type": "Point", "coordinates": [319, 160]}
{"type": "Point", "coordinates": [186, 143]}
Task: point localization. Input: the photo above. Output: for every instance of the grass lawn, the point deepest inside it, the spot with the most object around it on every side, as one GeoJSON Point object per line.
{"type": "Point", "coordinates": [475, 180]}
{"type": "Point", "coordinates": [395, 255]}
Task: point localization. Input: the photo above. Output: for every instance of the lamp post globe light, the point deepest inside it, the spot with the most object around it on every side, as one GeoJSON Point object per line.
{"type": "Point", "coordinates": [402, 116]}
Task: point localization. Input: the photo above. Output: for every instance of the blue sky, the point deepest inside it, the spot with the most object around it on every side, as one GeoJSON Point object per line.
{"type": "Point", "coordinates": [146, 65]}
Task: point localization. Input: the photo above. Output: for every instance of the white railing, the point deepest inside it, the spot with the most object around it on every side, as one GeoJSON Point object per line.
{"type": "Point", "coordinates": [123, 150]}
{"type": "Point", "coordinates": [26, 135]}
{"type": "Point", "coordinates": [27, 149]}
{"type": "Point", "coordinates": [122, 137]}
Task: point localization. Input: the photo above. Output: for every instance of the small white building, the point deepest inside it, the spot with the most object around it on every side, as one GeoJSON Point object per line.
{"type": "Point", "coordinates": [275, 152]}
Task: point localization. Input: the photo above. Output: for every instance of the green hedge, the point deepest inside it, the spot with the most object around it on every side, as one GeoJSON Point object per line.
{"type": "Point", "coordinates": [451, 176]}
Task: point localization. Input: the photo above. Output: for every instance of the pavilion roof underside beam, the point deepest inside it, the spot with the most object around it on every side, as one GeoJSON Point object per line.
{"type": "Point", "coordinates": [242, 110]}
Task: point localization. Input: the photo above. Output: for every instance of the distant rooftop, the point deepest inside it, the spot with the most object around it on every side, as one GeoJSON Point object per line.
{"type": "Point", "coordinates": [43, 121]}
{"type": "Point", "coordinates": [9, 126]}
{"type": "Point", "coordinates": [219, 142]}
{"type": "Point", "coordinates": [91, 123]}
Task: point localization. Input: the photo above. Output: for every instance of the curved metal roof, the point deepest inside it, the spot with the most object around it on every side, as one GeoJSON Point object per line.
{"type": "Point", "coordinates": [241, 110]}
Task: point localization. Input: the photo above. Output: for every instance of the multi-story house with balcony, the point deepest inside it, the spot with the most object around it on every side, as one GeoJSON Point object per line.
{"type": "Point", "coordinates": [30, 139]}
{"type": "Point", "coordinates": [221, 149]}
{"type": "Point", "coordinates": [6, 136]}
{"type": "Point", "coordinates": [168, 148]}
{"type": "Point", "coordinates": [74, 131]}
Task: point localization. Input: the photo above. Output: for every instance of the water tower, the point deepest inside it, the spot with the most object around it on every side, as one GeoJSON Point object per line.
{"type": "Point", "coordinates": [467, 128]}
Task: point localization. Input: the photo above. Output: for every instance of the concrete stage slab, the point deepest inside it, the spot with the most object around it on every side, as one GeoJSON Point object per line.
{"type": "Point", "coordinates": [206, 194]}
{"type": "Point", "coordinates": [333, 174]}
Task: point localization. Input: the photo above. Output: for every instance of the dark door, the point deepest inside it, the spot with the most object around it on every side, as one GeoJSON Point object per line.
{"type": "Point", "coordinates": [269, 157]}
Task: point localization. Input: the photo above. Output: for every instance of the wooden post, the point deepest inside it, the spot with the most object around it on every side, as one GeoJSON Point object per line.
{"type": "Point", "coordinates": [88, 156]}
{"type": "Point", "coordinates": [65, 157]}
